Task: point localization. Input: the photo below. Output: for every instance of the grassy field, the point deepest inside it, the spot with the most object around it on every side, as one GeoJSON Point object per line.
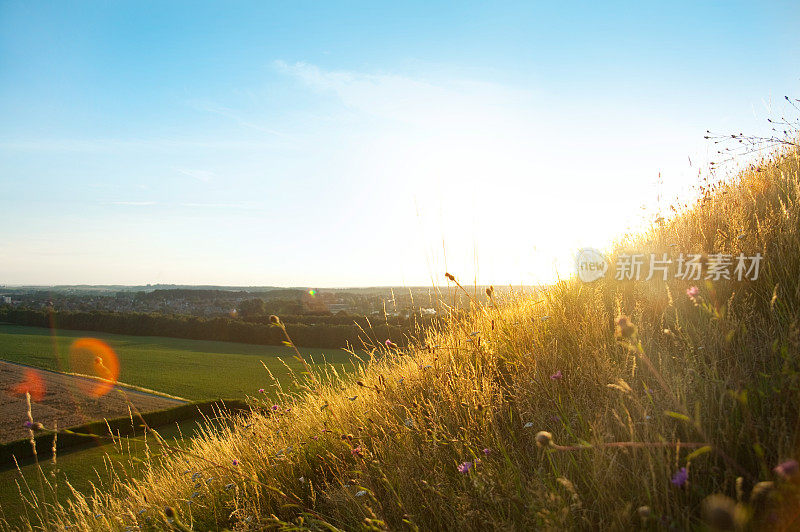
{"type": "Point", "coordinates": [192, 369]}
{"type": "Point", "coordinates": [82, 468]}
{"type": "Point", "coordinates": [656, 405]}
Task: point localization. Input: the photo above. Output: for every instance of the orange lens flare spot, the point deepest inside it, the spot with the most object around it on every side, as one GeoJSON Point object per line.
{"type": "Point", "coordinates": [93, 357]}
{"type": "Point", "coordinates": [33, 384]}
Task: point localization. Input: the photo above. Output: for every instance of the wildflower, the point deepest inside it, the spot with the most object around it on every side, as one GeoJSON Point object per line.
{"type": "Point", "coordinates": [487, 451]}
{"type": "Point", "coordinates": [692, 292]}
{"type": "Point", "coordinates": [235, 461]}
{"type": "Point", "coordinates": [261, 390]}
{"type": "Point", "coordinates": [275, 408]}
{"type": "Point", "coordinates": [719, 511]}
{"type": "Point", "coordinates": [464, 467]}
{"type": "Point", "coordinates": [274, 319]}
{"type": "Point", "coordinates": [357, 452]}
{"type": "Point", "coordinates": [788, 469]}
{"type": "Point", "coordinates": [625, 329]}
{"type": "Point", "coordinates": [680, 478]}
{"type": "Point", "coordinates": [557, 376]}
{"type": "Point", "coordinates": [390, 344]}
{"type": "Point", "coordinates": [544, 439]}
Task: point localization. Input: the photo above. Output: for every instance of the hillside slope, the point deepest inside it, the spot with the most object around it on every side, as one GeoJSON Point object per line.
{"type": "Point", "coordinates": [547, 412]}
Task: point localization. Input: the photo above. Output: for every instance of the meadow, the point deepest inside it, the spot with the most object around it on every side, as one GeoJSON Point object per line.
{"type": "Point", "coordinates": [190, 369]}
{"type": "Point", "coordinates": [615, 405]}
{"type": "Point", "coordinates": [81, 468]}
{"type": "Point", "coordinates": [195, 370]}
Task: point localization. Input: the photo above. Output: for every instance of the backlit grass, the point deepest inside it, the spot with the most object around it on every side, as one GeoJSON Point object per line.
{"type": "Point", "coordinates": [534, 412]}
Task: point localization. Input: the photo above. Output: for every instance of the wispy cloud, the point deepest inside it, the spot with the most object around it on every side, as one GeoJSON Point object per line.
{"type": "Point", "coordinates": [98, 145]}
{"type": "Point", "coordinates": [417, 100]}
{"type": "Point", "coordinates": [201, 175]}
{"type": "Point", "coordinates": [134, 203]}
{"type": "Point", "coordinates": [218, 205]}
{"type": "Point", "coordinates": [236, 116]}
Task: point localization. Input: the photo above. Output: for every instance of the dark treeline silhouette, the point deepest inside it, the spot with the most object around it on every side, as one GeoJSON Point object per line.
{"type": "Point", "coordinates": [332, 331]}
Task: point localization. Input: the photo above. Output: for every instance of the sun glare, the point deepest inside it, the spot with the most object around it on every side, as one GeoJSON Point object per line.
{"type": "Point", "coordinates": [94, 358]}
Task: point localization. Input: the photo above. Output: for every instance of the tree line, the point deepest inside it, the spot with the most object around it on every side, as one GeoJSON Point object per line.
{"type": "Point", "coordinates": [311, 331]}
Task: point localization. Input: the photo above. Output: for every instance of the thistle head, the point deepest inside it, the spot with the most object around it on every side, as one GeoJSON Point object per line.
{"type": "Point", "coordinates": [787, 470]}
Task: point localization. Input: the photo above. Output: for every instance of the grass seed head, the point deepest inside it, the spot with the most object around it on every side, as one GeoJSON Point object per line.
{"type": "Point", "coordinates": [544, 439]}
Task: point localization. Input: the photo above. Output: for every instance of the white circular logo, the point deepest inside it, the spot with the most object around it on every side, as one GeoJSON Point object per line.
{"type": "Point", "coordinates": [590, 264]}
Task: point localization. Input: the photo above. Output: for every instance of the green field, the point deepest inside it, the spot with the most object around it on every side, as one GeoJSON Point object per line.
{"type": "Point", "coordinates": [82, 468]}
{"type": "Point", "coordinates": [192, 369]}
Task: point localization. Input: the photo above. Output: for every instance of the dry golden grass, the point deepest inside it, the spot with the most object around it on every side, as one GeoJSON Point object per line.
{"type": "Point", "coordinates": [444, 435]}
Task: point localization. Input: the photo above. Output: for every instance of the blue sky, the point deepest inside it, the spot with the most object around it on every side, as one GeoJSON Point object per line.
{"type": "Point", "coordinates": [352, 144]}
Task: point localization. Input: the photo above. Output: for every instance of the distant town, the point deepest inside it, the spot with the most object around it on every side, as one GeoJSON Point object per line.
{"type": "Point", "coordinates": [212, 301]}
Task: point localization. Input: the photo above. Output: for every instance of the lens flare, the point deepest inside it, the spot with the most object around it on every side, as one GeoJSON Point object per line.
{"type": "Point", "coordinates": [33, 384]}
{"type": "Point", "coordinates": [90, 356]}
{"type": "Point", "coordinates": [312, 292]}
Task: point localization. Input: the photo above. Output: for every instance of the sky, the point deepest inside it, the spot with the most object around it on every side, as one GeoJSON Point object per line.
{"type": "Point", "coordinates": [362, 143]}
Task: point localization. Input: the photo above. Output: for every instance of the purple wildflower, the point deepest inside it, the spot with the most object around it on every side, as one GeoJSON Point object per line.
{"type": "Point", "coordinates": [487, 451]}
{"type": "Point", "coordinates": [787, 469]}
{"type": "Point", "coordinates": [680, 477]}
{"type": "Point", "coordinates": [275, 408]}
{"type": "Point", "coordinates": [465, 467]}
{"type": "Point", "coordinates": [390, 344]}
{"type": "Point", "coordinates": [557, 376]}
{"type": "Point", "coordinates": [28, 424]}
{"type": "Point", "coordinates": [235, 461]}
{"type": "Point", "coordinates": [692, 292]}
{"type": "Point", "coordinates": [261, 390]}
